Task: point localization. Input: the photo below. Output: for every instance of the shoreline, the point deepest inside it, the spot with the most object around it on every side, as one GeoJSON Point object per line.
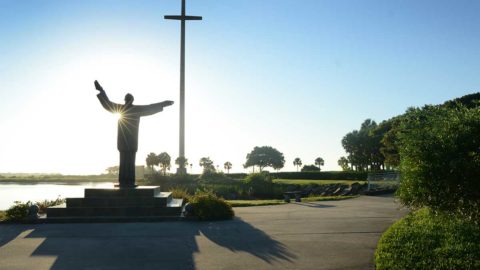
{"type": "Point", "coordinates": [55, 181]}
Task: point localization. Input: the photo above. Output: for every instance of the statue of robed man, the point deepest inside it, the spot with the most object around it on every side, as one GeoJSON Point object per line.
{"type": "Point", "coordinates": [127, 138]}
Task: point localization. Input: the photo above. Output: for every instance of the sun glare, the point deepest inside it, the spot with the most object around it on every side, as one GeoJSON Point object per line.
{"type": "Point", "coordinates": [117, 116]}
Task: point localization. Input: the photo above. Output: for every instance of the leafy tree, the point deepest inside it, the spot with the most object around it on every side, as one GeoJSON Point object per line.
{"type": "Point", "coordinates": [297, 162]}
{"type": "Point", "coordinates": [469, 101]}
{"type": "Point", "coordinates": [376, 147]}
{"type": "Point", "coordinates": [440, 159]}
{"type": "Point", "coordinates": [277, 166]}
{"type": "Point", "coordinates": [351, 144]}
{"type": "Point", "coordinates": [164, 161]}
{"type": "Point", "coordinates": [310, 168]}
{"type": "Point", "coordinates": [319, 162]}
{"type": "Point", "coordinates": [265, 156]}
{"type": "Point", "coordinates": [207, 164]}
{"type": "Point", "coordinates": [343, 163]}
{"type": "Point", "coordinates": [363, 147]}
{"type": "Point", "coordinates": [152, 160]}
{"type": "Point", "coordinates": [112, 170]}
{"type": "Point", "coordinates": [376, 160]}
{"type": "Point", "coordinates": [388, 130]}
{"type": "Point", "coordinates": [227, 166]}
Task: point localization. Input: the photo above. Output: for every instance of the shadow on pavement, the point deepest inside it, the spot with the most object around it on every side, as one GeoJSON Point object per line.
{"type": "Point", "coordinates": [314, 205]}
{"type": "Point", "coordinates": [164, 245]}
{"type": "Point", "coordinates": [238, 235]}
{"type": "Point", "coordinates": [8, 232]}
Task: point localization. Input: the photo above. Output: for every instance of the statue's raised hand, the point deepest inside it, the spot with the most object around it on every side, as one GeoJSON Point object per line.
{"type": "Point", "coordinates": [167, 103]}
{"type": "Point", "coordinates": [98, 86]}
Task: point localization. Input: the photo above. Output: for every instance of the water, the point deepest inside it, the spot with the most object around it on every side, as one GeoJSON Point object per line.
{"type": "Point", "coordinates": [10, 192]}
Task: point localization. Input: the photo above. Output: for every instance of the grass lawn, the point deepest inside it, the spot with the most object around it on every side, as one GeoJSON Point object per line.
{"type": "Point", "coordinates": [318, 182]}
{"type": "Point", "coordinates": [245, 203]}
{"type": "Point", "coordinates": [425, 240]}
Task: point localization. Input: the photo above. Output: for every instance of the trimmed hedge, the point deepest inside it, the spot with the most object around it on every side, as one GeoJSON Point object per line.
{"type": "Point", "coordinates": [259, 185]}
{"type": "Point", "coordinates": [332, 175]}
{"type": "Point", "coordinates": [237, 175]}
{"type": "Point", "coordinates": [327, 175]}
{"type": "Point", "coordinates": [425, 240]}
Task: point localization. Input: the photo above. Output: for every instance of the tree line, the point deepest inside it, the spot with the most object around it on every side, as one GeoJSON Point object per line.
{"type": "Point", "coordinates": [258, 159]}
{"type": "Point", "coordinates": [163, 161]}
{"type": "Point", "coordinates": [375, 147]}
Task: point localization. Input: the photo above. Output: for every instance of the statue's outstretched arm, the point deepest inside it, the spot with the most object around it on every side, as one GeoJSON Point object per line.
{"type": "Point", "coordinates": [153, 108]}
{"type": "Point", "coordinates": [106, 103]}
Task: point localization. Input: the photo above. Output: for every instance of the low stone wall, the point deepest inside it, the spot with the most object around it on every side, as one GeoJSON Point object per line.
{"type": "Point", "coordinates": [329, 190]}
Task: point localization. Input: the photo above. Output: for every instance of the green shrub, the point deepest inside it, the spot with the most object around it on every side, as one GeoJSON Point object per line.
{"type": "Point", "coordinates": [259, 185]}
{"type": "Point", "coordinates": [210, 177]}
{"type": "Point", "coordinates": [18, 212]}
{"type": "Point", "coordinates": [180, 193]}
{"type": "Point", "coordinates": [428, 240]}
{"type": "Point", "coordinates": [168, 182]}
{"type": "Point", "coordinates": [207, 206]}
{"type": "Point", "coordinates": [43, 205]}
{"type": "Point", "coordinates": [279, 189]}
{"type": "Point", "coordinates": [440, 159]}
{"type": "Point", "coordinates": [2, 215]}
{"type": "Point", "coordinates": [228, 190]}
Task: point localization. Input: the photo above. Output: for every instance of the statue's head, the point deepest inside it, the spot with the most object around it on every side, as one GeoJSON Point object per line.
{"type": "Point", "coordinates": [128, 99]}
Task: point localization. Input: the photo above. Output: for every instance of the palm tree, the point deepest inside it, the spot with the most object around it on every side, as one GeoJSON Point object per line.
{"type": "Point", "coordinates": [207, 164]}
{"type": "Point", "coordinates": [152, 160]}
{"type": "Point", "coordinates": [297, 162]}
{"type": "Point", "coordinates": [320, 162]}
{"type": "Point", "coordinates": [227, 165]}
{"type": "Point", "coordinates": [164, 161]}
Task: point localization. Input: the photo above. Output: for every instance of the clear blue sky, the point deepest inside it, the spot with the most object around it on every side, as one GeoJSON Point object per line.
{"type": "Point", "coordinates": [296, 75]}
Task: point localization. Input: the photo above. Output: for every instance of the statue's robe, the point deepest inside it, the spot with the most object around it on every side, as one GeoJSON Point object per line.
{"type": "Point", "coordinates": [127, 134]}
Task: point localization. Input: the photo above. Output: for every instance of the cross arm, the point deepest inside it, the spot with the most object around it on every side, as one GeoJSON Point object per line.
{"type": "Point", "coordinates": [182, 18]}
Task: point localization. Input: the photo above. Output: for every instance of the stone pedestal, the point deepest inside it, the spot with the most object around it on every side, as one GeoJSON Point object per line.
{"type": "Point", "coordinates": [142, 203]}
{"type": "Point", "coordinates": [181, 171]}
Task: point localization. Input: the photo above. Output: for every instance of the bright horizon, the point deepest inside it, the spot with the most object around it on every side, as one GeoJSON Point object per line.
{"type": "Point", "coordinates": [294, 75]}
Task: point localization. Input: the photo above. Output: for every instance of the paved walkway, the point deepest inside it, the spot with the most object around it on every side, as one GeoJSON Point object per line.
{"type": "Point", "coordinates": [323, 235]}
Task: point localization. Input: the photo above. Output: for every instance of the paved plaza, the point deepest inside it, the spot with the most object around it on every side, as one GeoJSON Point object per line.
{"type": "Point", "coordinates": [321, 235]}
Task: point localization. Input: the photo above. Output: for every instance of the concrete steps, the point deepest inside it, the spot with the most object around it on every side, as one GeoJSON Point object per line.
{"type": "Point", "coordinates": [101, 219]}
{"type": "Point", "coordinates": [144, 203]}
{"type": "Point", "coordinates": [160, 200]}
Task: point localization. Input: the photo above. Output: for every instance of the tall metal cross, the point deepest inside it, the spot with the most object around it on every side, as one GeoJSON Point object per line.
{"type": "Point", "coordinates": [182, 18]}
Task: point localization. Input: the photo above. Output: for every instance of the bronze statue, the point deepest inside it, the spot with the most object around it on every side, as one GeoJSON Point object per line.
{"type": "Point", "coordinates": [127, 138]}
